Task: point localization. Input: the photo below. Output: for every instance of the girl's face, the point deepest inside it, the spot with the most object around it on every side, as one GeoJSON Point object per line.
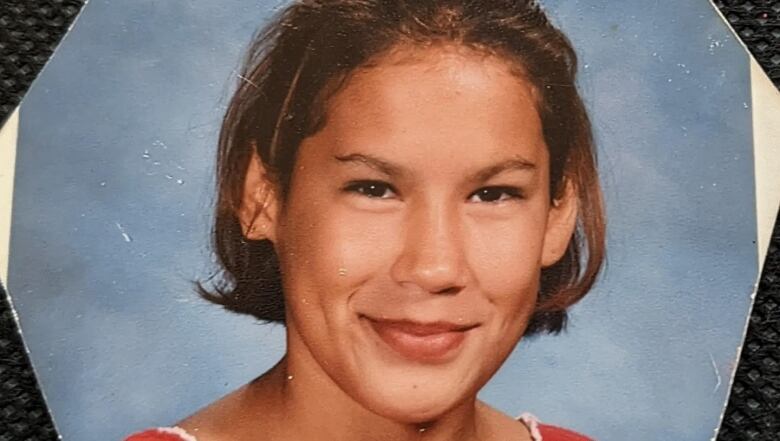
{"type": "Point", "coordinates": [416, 225]}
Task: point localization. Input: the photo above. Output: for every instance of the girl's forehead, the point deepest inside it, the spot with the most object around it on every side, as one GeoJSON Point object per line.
{"type": "Point", "coordinates": [441, 87]}
{"type": "Point", "coordinates": [439, 102]}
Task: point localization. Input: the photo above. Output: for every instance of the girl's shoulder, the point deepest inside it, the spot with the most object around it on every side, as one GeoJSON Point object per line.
{"type": "Point", "coordinates": [547, 432]}
{"type": "Point", "coordinates": [162, 434]}
{"type": "Point", "coordinates": [553, 433]}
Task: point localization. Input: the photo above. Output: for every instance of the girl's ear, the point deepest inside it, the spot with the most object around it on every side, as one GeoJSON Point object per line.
{"type": "Point", "coordinates": [561, 222]}
{"type": "Point", "coordinates": [259, 208]}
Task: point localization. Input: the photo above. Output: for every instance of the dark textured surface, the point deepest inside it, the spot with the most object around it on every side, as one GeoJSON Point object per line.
{"type": "Point", "coordinates": [29, 31]}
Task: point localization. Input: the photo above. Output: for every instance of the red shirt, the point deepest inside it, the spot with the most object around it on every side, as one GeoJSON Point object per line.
{"type": "Point", "coordinates": [539, 432]}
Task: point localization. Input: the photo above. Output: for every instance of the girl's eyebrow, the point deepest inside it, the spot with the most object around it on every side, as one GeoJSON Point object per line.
{"type": "Point", "coordinates": [390, 169]}
{"type": "Point", "coordinates": [514, 164]}
{"type": "Point", "coordinates": [377, 164]}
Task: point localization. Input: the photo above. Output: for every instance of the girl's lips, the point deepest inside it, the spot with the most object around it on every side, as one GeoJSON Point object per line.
{"type": "Point", "coordinates": [434, 342]}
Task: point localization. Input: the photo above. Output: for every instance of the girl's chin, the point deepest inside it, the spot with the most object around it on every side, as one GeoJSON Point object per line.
{"type": "Point", "coordinates": [411, 414]}
{"type": "Point", "coordinates": [413, 402]}
{"type": "Point", "coordinates": [417, 390]}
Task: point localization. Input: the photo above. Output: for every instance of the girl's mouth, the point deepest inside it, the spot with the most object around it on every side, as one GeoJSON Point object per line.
{"type": "Point", "coordinates": [433, 342]}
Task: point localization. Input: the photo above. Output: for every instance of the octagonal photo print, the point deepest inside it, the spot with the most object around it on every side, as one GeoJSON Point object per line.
{"type": "Point", "coordinates": [389, 219]}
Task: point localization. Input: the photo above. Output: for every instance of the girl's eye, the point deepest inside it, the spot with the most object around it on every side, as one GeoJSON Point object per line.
{"type": "Point", "coordinates": [495, 194]}
{"type": "Point", "coordinates": [372, 189]}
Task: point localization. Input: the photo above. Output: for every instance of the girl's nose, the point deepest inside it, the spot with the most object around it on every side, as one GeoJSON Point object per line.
{"type": "Point", "coordinates": [432, 253]}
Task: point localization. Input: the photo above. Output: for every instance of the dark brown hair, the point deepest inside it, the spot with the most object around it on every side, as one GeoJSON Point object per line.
{"type": "Point", "coordinates": [302, 58]}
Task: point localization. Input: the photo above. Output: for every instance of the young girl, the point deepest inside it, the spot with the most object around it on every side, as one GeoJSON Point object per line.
{"type": "Point", "coordinates": [410, 187]}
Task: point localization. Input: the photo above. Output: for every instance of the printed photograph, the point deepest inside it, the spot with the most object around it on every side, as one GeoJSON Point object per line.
{"type": "Point", "coordinates": [386, 220]}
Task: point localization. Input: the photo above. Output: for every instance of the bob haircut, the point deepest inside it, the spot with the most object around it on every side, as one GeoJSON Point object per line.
{"type": "Point", "coordinates": [304, 56]}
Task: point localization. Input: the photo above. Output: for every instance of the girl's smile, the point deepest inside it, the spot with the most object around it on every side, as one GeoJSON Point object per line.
{"type": "Point", "coordinates": [433, 342]}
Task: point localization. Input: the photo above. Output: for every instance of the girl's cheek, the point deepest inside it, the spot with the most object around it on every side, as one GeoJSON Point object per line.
{"type": "Point", "coordinates": [355, 243]}
{"type": "Point", "coordinates": [505, 257]}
